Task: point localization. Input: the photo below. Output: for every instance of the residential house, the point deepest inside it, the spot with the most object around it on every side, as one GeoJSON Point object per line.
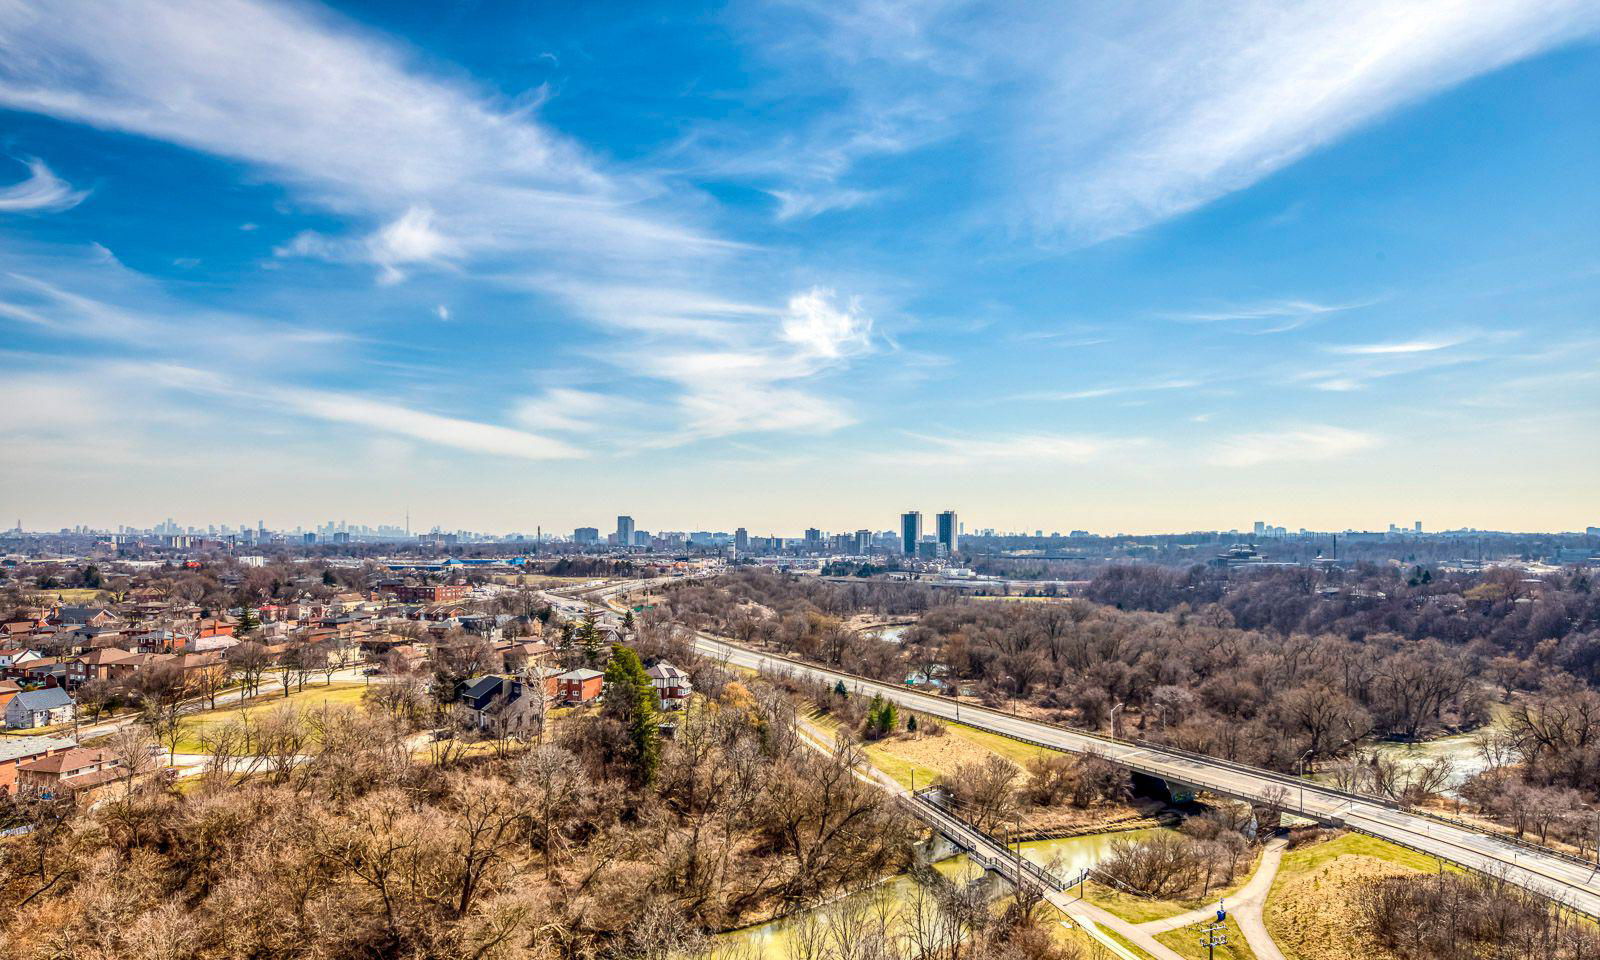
{"type": "Point", "coordinates": [40, 708]}
{"type": "Point", "coordinates": [43, 672]}
{"type": "Point", "coordinates": [8, 689]}
{"type": "Point", "coordinates": [489, 696]}
{"type": "Point", "coordinates": [106, 663]}
{"type": "Point", "coordinates": [672, 685]}
{"type": "Point", "coordinates": [579, 686]}
{"type": "Point", "coordinates": [15, 751]}
{"type": "Point", "coordinates": [88, 616]}
{"type": "Point", "coordinates": [16, 656]}
{"type": "Point", "coordinates": [74, 770]}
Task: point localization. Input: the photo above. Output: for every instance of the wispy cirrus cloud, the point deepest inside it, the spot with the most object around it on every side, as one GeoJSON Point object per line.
{"type": "Point", "coordinates": [429, 175]}
{"type": "Point", "coordinates": [371, 413]}
{"type": "Point", "coordinates": [1302, 443]}
{"type": "Point", "coordinates": [1270, 316]}
{"type": "Point", "coordinates": [1397, 347]}
{"type": "Point", "coordinates": [1115, 390]}
{"type": "Point", "coordinates": [42, 192]}
{"type": "Point", "coordinates": [1008, 449]}
{"type": "Point", "coordinates": [1104, 119]}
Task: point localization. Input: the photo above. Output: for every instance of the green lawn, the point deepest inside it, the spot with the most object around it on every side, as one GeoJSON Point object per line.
{"type": "Point", "coordinates": [1186, 941]}
{"type": "Point", "coordinates": [1016, 751]}
{"type": "Point", "coordinates": [1307, 858]}
{"type": "Point", "coordinates": [312, 697]}
{"type": "Point", "coordinates": [1140, 910]}
{"type": "Point", "coordinates": [74, 595]}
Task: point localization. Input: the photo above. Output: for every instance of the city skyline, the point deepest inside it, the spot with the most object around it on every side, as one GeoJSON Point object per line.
{"type": "Point", "coordinates": [499, 263]}
{"type": "Point", "coordinates": [946, 535]}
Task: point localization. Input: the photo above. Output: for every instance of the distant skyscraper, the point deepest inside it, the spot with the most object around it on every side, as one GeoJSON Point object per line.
{"type": "Point", "coordinates": [813, 536]}
{"type": "Point", "coordinates": [625, 531]}
{"type": "Point", "coordinates": [1261, 526]}
{"type": "Point", "coordinates": [949, 534]}
{"type": "Point", "coordinates": [910, 532]}
{"type": "Point", "coordinates": [741, 540]}
{"type": "Point", "coordinates": [586, 535]}
{"type": "Point", "coordinates": [863, 544]}
{"type": "Point", "coordinates": [1417, 527]}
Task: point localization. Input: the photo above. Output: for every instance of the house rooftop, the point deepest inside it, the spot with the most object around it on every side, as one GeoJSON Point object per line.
{"type": "Point", "coordinates": [15, 748]}
{"type": "Point", "coordinates": [46, 698]}
{"type": "Point", "coordinates": [75, 759]}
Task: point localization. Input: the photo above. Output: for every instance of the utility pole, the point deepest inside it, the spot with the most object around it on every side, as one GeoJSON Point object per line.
{"type": "Point", "coordinates": [1211, 938]}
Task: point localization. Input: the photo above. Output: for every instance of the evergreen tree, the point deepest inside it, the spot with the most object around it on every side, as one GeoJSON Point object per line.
{"type": "Point", "coordinates": [840, 691]}
{"type": "Point", "coordinates": [882, 718]}
{"type": "Point", "coordinates": [590, 639]}
{"type": "Point", "coordinates": [631, 701]}
{"type": "Point", "coordinates": [328, 579]}
{"type": "Point", "coordinates": [248, 621]}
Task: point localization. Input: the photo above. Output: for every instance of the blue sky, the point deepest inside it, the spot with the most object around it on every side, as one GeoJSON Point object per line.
{"type": "Point", "coordinates": [1124, 267]}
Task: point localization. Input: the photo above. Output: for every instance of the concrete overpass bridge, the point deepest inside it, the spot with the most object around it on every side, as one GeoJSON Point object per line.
{"type": "Point", "coordinates": [1559, 877]}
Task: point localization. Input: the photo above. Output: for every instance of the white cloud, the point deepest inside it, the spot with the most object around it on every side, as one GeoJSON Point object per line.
{"type": "Point", "coordinates": [803, 205]}
{"type": "Point", "coordinates": [569, 409]}
{"type": "Point", "coordinates": [381, 416]}
{"type": "Point", "coordinates": [410, 238]}
{"type": "Point", "coordinates": [454, 432]}
{"type": "Point", "coordinates": [1045, 448]}
{"type": "Point", "coordinates": [1272, 316]}
{"type": "Point", "coordinates": [1397, 348]}
{"type": "Point", "coordinates": [42, 192]}
{"type": "Point", "coordinates": [435, 168]}
{"type": "Point", "coordinates": [427, 172]}
{"type": "Point", "coordinates": [1094, 393]}
{"type": "Point", "coordinates": [1107, 118]}
{"type": "Point", "coordinates": [817, 326]}
{"type": "Point", "coordinates": [1162, 112]}
{"type": "Point", "coordinates": [1302, 443]}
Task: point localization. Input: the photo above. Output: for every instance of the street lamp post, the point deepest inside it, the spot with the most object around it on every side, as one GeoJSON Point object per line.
{"type": "Point", "coordinates": [1302, 765]}
{"type": "Point", "coordinates": [1114, 710]}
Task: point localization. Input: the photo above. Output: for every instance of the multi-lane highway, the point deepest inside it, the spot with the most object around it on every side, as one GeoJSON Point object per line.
{"type": "Point", "coordinates": [1553, 875]}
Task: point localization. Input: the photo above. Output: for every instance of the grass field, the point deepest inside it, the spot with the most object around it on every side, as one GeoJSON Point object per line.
{"type": "Point", "coordinates": [1311, 909]}
{"type": "Point", "coordinates": [74, 594]}
{"type": "Point", "coordinates": [312, 697]}
{"type": "Point", "coordinates": [54, 731]}
{"type": "Point", "coordinates": [1308, 858]}
{"type": "Point", "coordinates": [1140, 910]}
{"type": "Point", "coordinates": [1186, 941]}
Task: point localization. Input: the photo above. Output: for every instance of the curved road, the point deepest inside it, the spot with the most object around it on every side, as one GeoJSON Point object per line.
{"type": "Point", "coordinates": [1573, 883]}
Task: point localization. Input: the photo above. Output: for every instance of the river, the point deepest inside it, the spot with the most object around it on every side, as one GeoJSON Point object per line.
{"type": "Point", "coordinates": [1068, 855]}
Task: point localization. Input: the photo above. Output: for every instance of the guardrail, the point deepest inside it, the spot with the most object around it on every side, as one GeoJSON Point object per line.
{"type": "Point", "coordinates": [1502, 837]}
{"type": "Point", "coordinates": [925, 800]}
{"type": "Point", "coordinates": [1284, 779]}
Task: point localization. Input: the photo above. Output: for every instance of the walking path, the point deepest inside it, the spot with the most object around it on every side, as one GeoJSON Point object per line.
{"type": "Point", "coordinates": [1245, 905]}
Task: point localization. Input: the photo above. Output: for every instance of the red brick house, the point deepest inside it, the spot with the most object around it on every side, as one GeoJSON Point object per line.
{"type": "Point", "coordinates": [16, 751]}
{"type": "Point", "coordinates": [76, 769]}
{"type": "Point", "coordinates": [579, 686]}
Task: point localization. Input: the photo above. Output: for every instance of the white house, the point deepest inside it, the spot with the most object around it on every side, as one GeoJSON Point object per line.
{"type": "Point", "coordinates": [672, 685]}
{"type": "Point", "coordinates": [16, 657]}
{"type": "Point", "coordinates": [40, 708]}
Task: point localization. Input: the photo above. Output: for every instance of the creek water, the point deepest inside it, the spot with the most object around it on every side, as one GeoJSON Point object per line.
{"type": "Point", "coordinates": [1067, 856]}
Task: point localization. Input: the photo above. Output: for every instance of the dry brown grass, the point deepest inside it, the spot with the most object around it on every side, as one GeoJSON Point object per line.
{"type": "Point", "coordinates": [1312, 917]}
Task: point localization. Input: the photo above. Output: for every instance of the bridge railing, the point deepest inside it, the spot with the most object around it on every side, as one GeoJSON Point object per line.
{"type": "Point", "coordinates": [1502, 837]}
{"type": "Point", "coordinates": [1284, 779]}
{"type": "Point", "coordinates": [933, 800]}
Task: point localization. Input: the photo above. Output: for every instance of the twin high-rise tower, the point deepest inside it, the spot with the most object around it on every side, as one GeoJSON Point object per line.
{"type": "Point", "coordinates": [949, 532]}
